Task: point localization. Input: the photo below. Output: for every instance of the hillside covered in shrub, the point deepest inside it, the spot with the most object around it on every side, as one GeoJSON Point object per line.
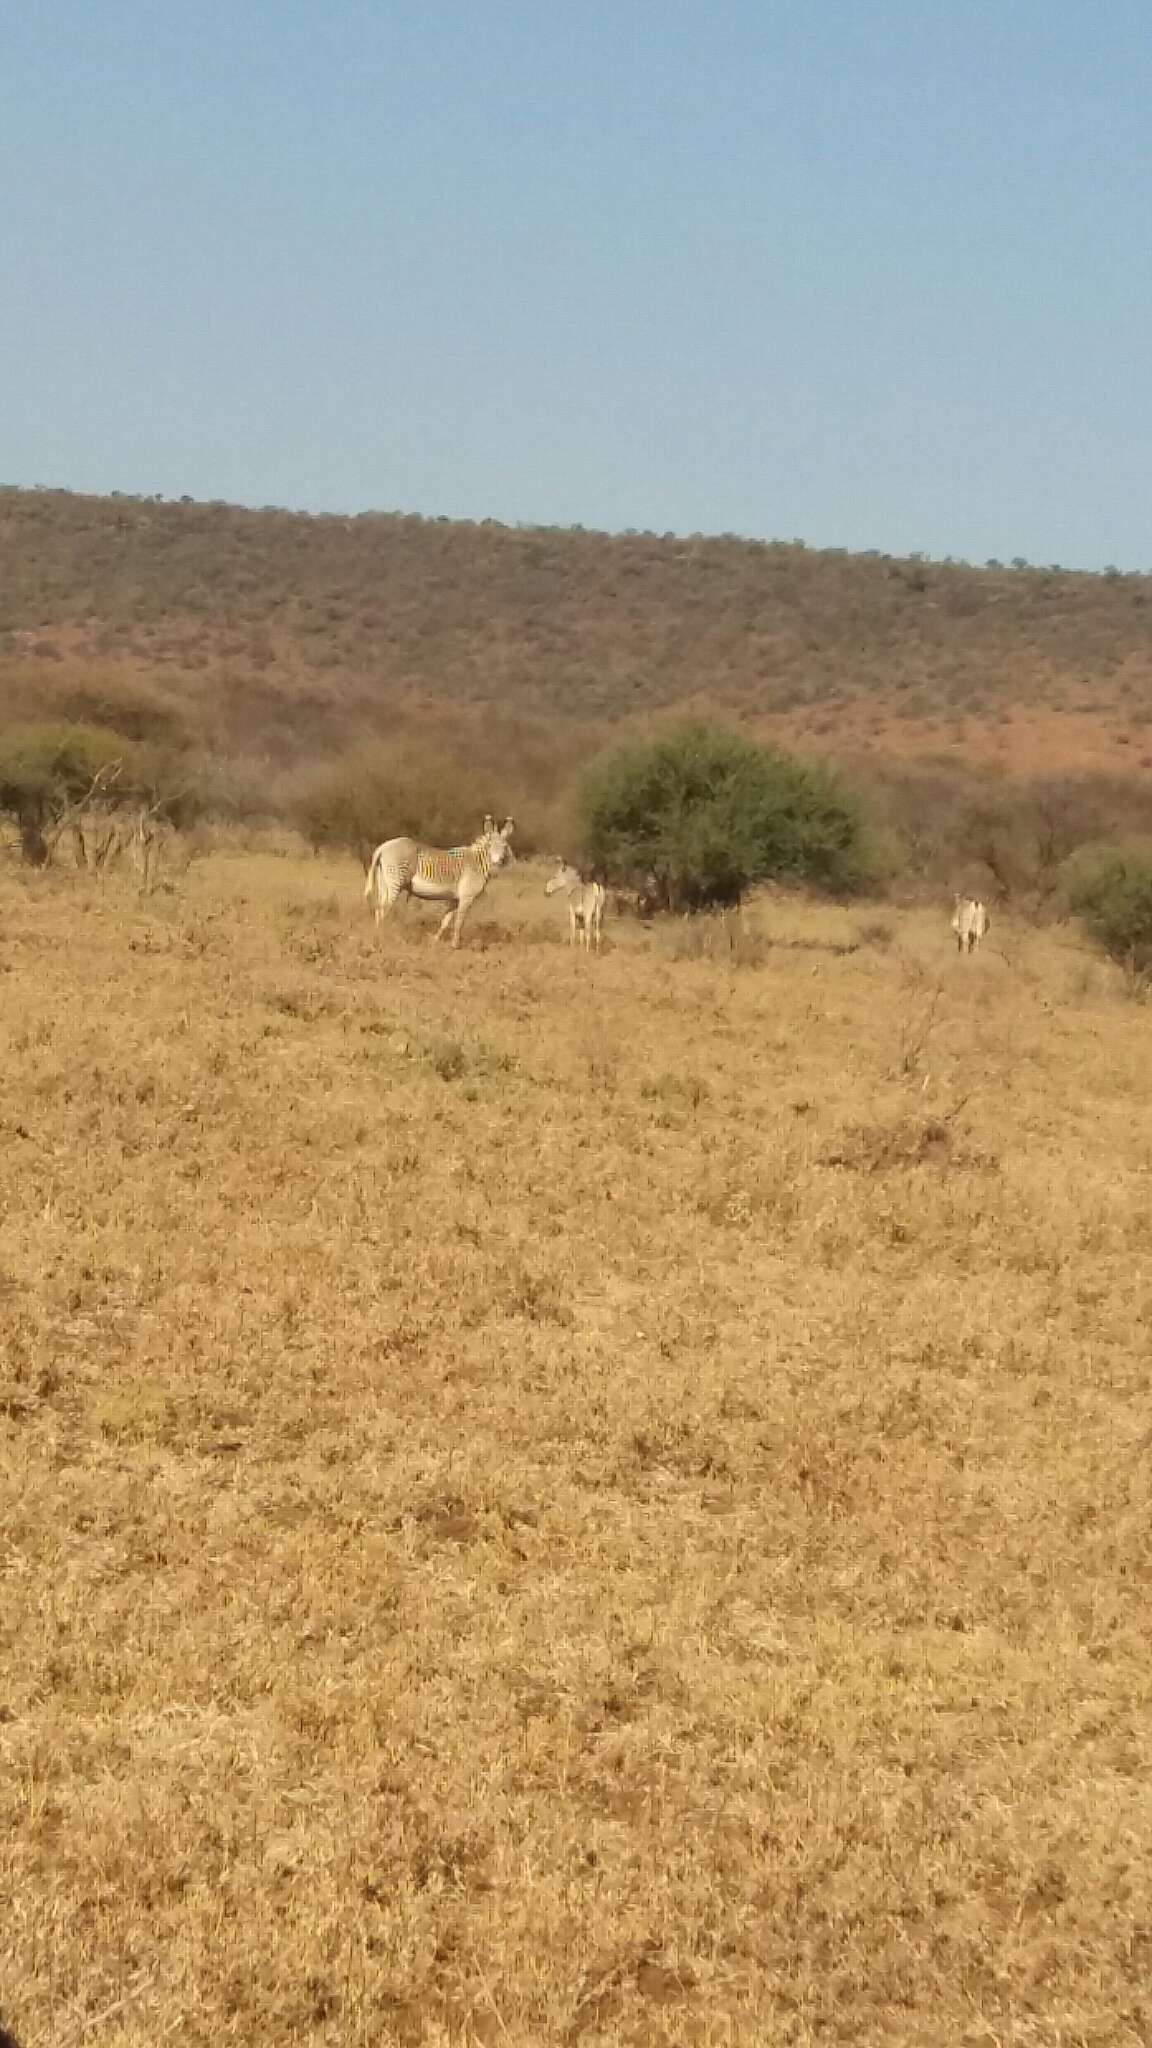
{"type": "Point", "coordinates": [272, 635]}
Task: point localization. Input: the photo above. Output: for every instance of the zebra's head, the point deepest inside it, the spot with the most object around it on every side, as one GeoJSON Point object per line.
{"type": "Point", "coordinates": [565, 877]}
{"type": "Point", "coordinates": [497, 838]}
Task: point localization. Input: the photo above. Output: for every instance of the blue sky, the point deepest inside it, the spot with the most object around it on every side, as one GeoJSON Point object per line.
{"type": "Point", "coordinates": [873, 273]}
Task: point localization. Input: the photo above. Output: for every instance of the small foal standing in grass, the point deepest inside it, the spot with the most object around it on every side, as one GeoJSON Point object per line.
{"type": "Point", "coordinates": [585, 903]}
{"type": "Point", "coordinates": [970, 921]}
{"type": "Point", "coordinates": [456, 875]}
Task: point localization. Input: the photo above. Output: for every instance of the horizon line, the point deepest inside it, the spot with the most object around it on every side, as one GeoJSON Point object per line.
{"type": "Point", "coordinates": [1017, 565]}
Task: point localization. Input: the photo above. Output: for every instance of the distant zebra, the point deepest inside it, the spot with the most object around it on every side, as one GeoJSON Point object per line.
{"type": "Point", "coordinates": [970, 921]}
{"type": "Point", "coordinates": [642, 900]}
{"type": "Point", "coordinates": [585, 904]}
{"type": "Point", "coordinates": [456, 875]}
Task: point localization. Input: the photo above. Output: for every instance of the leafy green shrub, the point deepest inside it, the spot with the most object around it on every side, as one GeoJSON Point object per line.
{"type": "Point", "coordinates": [708, 813]}
{"type": "Point", "coordinates": [1113, 894]}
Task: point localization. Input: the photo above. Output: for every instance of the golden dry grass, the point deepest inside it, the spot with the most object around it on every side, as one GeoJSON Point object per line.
{"type": "Point", "coordinates": [564, 1502]}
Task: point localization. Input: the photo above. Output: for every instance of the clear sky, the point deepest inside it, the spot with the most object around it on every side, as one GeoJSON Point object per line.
{"type": "Point", "coordinates": [873, 273]}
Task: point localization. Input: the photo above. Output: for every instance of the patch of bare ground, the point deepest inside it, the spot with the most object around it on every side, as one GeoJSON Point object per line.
{"type": "Point", "coordinates": [547, 1500]}
{"type": "Point", "coordinates": [1020, 740]}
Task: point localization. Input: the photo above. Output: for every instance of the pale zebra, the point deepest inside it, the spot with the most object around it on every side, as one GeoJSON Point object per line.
{"type": "Point", "coordinates": [970, 921]}
{"type": "Point", "coordinates": [585, 903]}
{"type": "Point", "coordinates": [455, 874]}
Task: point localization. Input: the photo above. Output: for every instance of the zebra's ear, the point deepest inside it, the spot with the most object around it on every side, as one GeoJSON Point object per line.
{"type": "Point", "coordinates": [489, 823]}
{"type": "Point", "coordinates": [506, 828]}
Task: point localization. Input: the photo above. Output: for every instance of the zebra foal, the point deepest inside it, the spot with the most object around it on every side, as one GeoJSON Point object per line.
{"type": "Point", "coordinates": [586, 902]}
{"type": "Point", "coordinates": [970, 921]}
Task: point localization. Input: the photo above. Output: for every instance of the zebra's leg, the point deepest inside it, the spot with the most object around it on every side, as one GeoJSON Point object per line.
{"type": "Point", "coordinates": [387, 896]}
{"type": "Point", "coordinates": [571, 926]}
{"type": "Point", "coordinates": [444, 923]}
{"type": "Point", "coordinates": [465, 897]}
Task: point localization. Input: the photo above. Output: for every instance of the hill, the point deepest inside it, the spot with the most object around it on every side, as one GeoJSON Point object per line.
{"type": "Point", "coordinates": [277, 634]}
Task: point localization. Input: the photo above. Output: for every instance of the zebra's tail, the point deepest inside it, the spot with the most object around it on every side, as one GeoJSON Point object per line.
{"type": "Point", "coordinates": [370, 883]}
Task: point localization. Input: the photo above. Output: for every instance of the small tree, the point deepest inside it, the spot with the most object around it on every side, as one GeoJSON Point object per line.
{"type": "Point", "coordinates": [74, 778]}
{"type": "Point", "coordinates": [1113, 895]}
{"type": "Point", "coordinates": [47, 771]}
{"type": "Point", "coordinates": [708, 813]}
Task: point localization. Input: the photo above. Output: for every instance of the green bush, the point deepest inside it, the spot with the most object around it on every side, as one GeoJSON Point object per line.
{"type": "Point", "coordinates": [1113, 895]}
{"type": "Point", "coordinates": [48, 760]}
{"type": "Point", "coordinates": [707, 814]}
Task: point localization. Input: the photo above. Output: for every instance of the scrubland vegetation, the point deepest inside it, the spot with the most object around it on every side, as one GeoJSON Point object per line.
{"type": "Point", "coordinates": [273, 637]}
{"type": "Point", "coordinates": [547, 1500]}
{"type": "Point", "coordinates": [328, 672]}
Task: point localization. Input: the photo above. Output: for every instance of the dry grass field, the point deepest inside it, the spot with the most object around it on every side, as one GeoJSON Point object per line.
{"type": "Point", "coordinates": [561, 1501]}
